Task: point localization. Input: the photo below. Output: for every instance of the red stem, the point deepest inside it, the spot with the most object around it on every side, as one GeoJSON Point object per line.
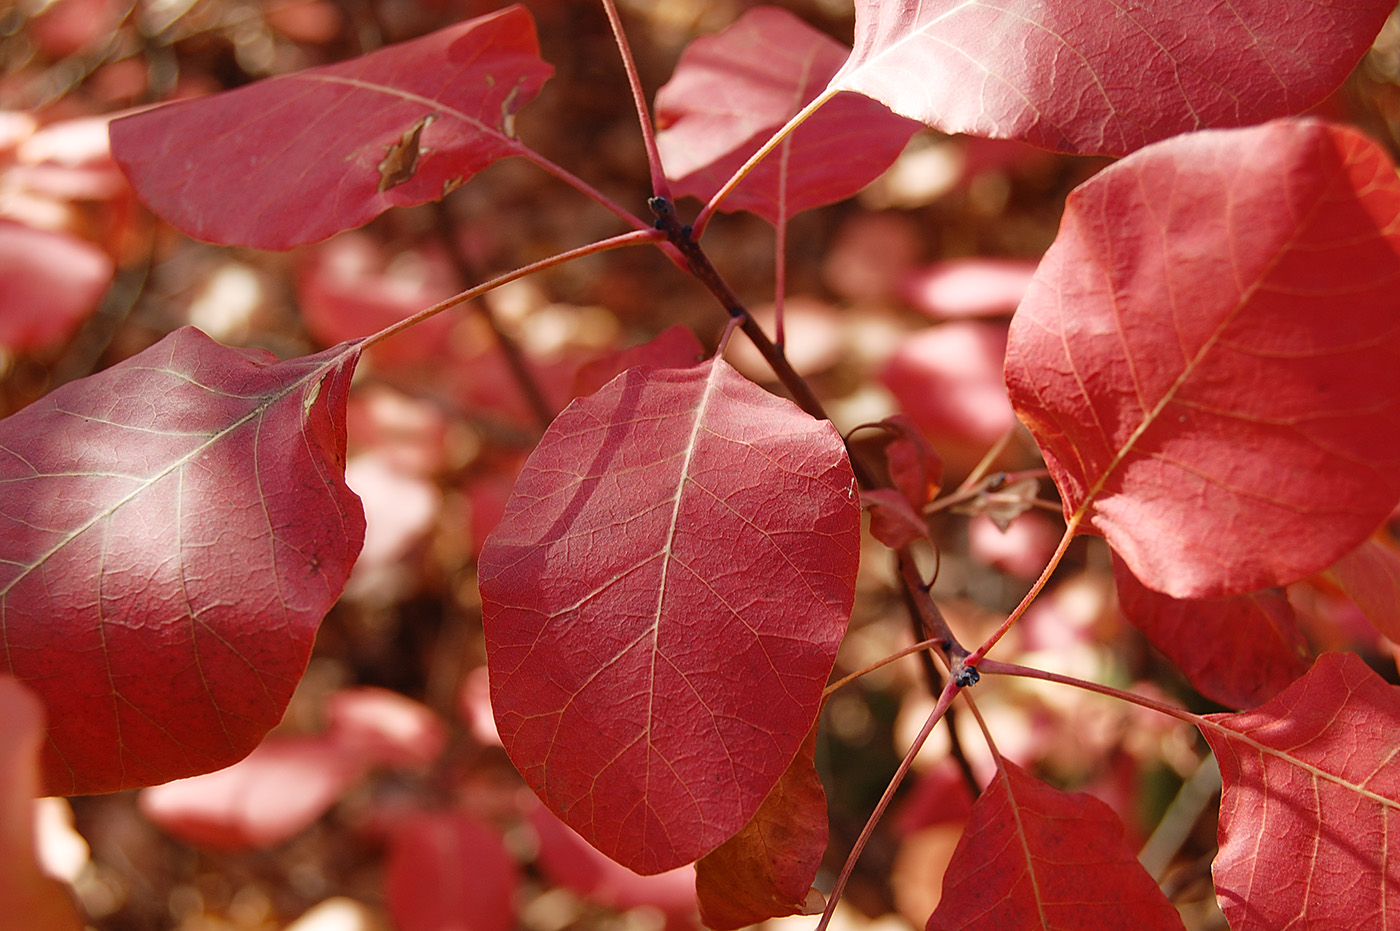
{"type": "Point", "coordinates": [1011, 669]}
{"type": "Point", "coordinates": [602, 245]}
{"type": "Point", "coordinates": [944, 700]}
{"type": "Point", "coordinates": [659, 186]}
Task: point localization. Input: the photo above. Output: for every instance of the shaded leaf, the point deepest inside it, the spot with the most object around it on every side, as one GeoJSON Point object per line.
{"type": "Point", "coordinates": [767, 869]}
{"type": "Point", "coordinates": [1207, 355]}
{"type": "Point", "coordinates": [1102, 77]}
{"type": "Point", "coordinates": [662, 604]}
{"type": "Point", "coordinates": [1317, 773]}
{"type": "Point", "coordinates": [733, 90]}
{"type": "Point", "coordinates": [915, 466]}
{"type": "Point", "coordinates": [1035, 857]}
{"type": "Point", "coordinates": [1239, 650]}
{"type": "Point", "coordinates": [449, 872]}
{"type": "Point", "coordinates": [173, 529]}
{"type": "Point", "coordinates": [293, 159]}
{"type": "Point", "coordinates": [37, 900]}
{"type": "Point", "coordinates": [892, 521]}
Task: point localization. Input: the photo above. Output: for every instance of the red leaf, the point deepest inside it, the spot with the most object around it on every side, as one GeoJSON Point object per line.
{"type": "Point", "coordinates": [892, 521]}
{"type": "Point", "coordinates": [1207, 355]}
{"type": "Point", "coordinates": [1239, 651]}
{"type": "Point", "coordinates": [632, 654]}
{"type": "Point", "coordinates": [915, 466]}
{"type": "Point", "coordinates": [49, 284]}
{"type": "Point", "coordinates": [295, 158]}
{"type": "Point", "coordinates": [40, 901]}
{"type": "Point", "coordinates": [449, 872]}
{"type": "Point", "coordinates": [767, 869]}
{"type": "Point", "coordinates": [173, 530]}
{"type": "Point", "coordinates": [272, 794]}
{"type": "Point", "coordinates": [1035, 857]}
{"type": "Point", "coordinates": [1310, 803]}
{"type": "Point", "coordinates": [1370, 576]}
{"type": "Point", "coordinates": [733, 90]}
{"type": "Point", "coordinates": [1102, 77]}
{"type": "Point", "coordinates": [674, 347]}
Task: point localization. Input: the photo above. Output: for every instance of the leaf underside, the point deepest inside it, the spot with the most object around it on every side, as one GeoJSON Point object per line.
{"type": "Point", "coordinates": [1103, 77]}
{"type": "Point", "coordinates": [1209, 355]}
{"type": "Point", "coordinates": [174, 530]}
{"type": "Point", "coordinates": [662, 605]}
{"type": "Point", "coordinates": [293, 159]}
{"type": "Point", "coordinates": [1310, 809]}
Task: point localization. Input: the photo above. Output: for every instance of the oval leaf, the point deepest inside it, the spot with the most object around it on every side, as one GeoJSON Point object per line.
{"type": "Point", "coordinates": [1239, 651]}
{"type": "Point", "coordinates": [1316, 772]}
{"type": "Point", "coordinates": [1207, 355]}
{"type": "Point", "coordinates": [296, 158]}
{"type": "Point", "coordinates": [662, 603]}
{"type": "Point", "coordinates": [1033, 857]}
{"type": "Point", "coordinates": [1103, 77]}
{"type": "Point", "coordinates": [173, 530]}
{"type": "Point", "coordinates": [733, 90]}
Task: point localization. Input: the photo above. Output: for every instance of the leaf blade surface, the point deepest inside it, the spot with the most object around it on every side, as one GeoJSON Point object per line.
{"type": "Point", "coordinates": [1207, 355]}
{"type": "Point", "coordinates": [1316, 772]}
{"type": "Point", "coordinates": [733, 90]}
{"type": "Point", "coordinates": [1102, 77]}
{"type": "Point", "coordinates": [293, 159]}
{"type": "Point", "coordinates": [174, 530]}
{"type": "Point", "coordinates": [1035, 857]}
{"type": "Point", "coordinates": [662, 604]}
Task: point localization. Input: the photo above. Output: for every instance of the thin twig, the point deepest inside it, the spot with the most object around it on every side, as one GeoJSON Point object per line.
{"type": "Point", "coordinates": [659, 185]}
{"type": "Point", "coordinates": [510, 349]}
{"type": "Point", "coordinates": [615, 242]}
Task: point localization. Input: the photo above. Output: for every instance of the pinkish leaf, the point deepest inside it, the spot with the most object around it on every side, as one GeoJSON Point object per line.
{"type": "Point", "coordinates": [293, 159]}
{"type": "Point", "coordinates": [350, 288]}
{"type": "Point", "coordinates": [767, 869]}
{"type": "Point", "coordinates": [632, 654]}
{"type": "Point", "coordinates": [733, 90]}
{"type": "Point", "coordinates": [173, 530]}
{"type": "Point", "coordinates": [1370, 576]}
{"type": "Point", "coordinates": [1310, 805]}
{"type": "Point", "coordinates": [1239, 651]}
{"type": "Point", "coordinates": [1207, 355]}
{"type": "Point", "coordinates": [1035, 857]}
{"type": "Point", "coordinates": [1103, 77]}
{"type": "Point", "coordinates": [948, 379]}
{"type": "Point", "coordinates": [40, 901]}
{"type": "Point", "coordinates": [450, 872]}
{"type": "Point", "coordinates": [969, 287]}
{"type": "Point", "coordinates": [269, 796]}
{"type": "Point", "coordinates": [49, 284]}
{"type": "Point", "coordinates": [384, 728]}
{"type": "Point", "coordinates": [567, 860]}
